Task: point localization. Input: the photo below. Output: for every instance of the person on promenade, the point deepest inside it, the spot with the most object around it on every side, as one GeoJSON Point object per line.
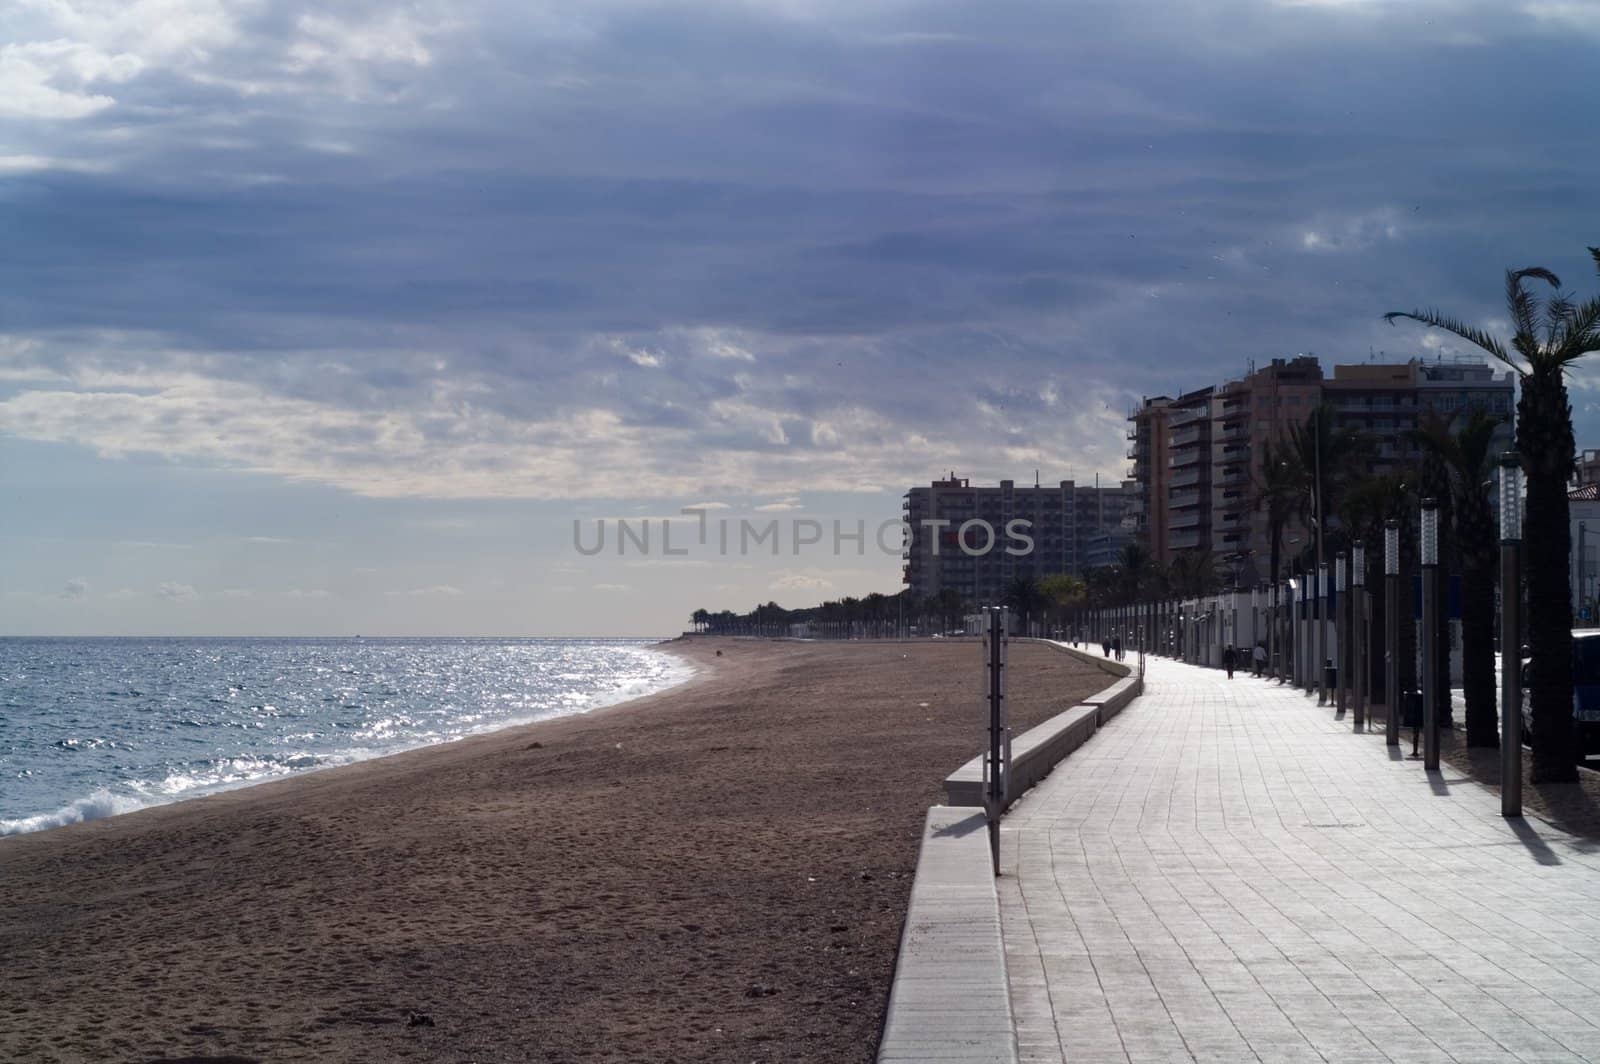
{"type": "Point", "coordinates": [1258, 659]}
{"type": "Point", "coordinates": [1229, 658]}
{"type": "Point", "coordinates": [1105, 646]}
{"type": "Point", "coordinates": [1116, 646]}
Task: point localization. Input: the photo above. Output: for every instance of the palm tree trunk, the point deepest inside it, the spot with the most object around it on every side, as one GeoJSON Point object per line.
{"type": "Point", "coordinates": [1477, 649]}
{"type": "Point", "coordinates": [1544, 436]}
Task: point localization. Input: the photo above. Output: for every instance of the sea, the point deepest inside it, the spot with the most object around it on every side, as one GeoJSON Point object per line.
{"type": "Point", "coordinates": [92, 728]}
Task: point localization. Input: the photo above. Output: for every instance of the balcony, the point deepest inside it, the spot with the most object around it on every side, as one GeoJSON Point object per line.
{"type": "Point", "coordinates": [1187, 497]}
{"type": "Point", "coordinates": [1188, 414]}
{"type": "Point", "coordinates": [1185, 477]}
{"type": "Point", "coordinates": [1188, 456]}
{"type": "Point", "coordinates": [1232, 479]}
{"type": "Point", "coordinates": [1240, 431]}
{"type": "Point", "coordinates": [1185, 519]}
{"type": "Point", "coordinates": [1186, 436]}
{"type": "Point", "coordinates": [1184, 540]}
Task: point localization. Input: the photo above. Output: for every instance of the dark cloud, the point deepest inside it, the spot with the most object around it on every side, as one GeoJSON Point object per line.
{"type": "Point", "coordinates": [750, 227]}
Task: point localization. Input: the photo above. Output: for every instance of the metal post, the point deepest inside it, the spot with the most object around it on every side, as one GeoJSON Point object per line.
{"type": "Point", "coordinates": [998, 764]}
{"type": "Point", "coordinates": [1391, 631]}
{"type": "Point", "coordinates": [1341, 633]}
{"type": "Point", "coordinates": [1358, 634]}
{"type": "Point", "coordinates": [1322, 633]}
{"type": "Point", "coordinates": [1510, 635]}
{"type": "Point", "coordinates": [1430, 633]}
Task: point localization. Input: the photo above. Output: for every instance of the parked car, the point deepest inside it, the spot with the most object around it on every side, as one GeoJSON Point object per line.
{"type": "Point", "coordinates": [1585, 691]}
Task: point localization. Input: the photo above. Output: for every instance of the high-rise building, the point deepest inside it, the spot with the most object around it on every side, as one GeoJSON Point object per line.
{"type": "Point", "coordinates": [1072, 528]}
{"type": "Point", "coordinates": [1198, 460]}
{"type": "Point", "coordinates": [1388, 402]}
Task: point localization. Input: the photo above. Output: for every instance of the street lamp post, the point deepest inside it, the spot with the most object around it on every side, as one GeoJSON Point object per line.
{"type": "Point", "coordinates": [1358, 633]}
{"type": "Point", "coordinates": [1391, 631]}
{"type": "Point", "coordinates": [1322, 633]}
{"type": "Point", "coordinates": [1510, 635]}
{"type": "Point", "coordinates": [1429, 535]}
{"type": "Point", "coordinates": [1341, 633]}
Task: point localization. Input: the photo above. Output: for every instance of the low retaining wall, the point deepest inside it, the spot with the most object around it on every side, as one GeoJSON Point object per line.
{"type": "Point", "coordinates": [1038, 750]}
{"type": "Point", "coordinates": [950, 1002]}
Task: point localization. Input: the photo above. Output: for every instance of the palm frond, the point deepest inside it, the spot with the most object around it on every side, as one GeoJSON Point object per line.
{"type": "Point", "coordinates": [1477, 337]}
{"type": "Point", "coordinates": [1519, 303]}
{"type": "Point", "coordinates": [1583, 330]}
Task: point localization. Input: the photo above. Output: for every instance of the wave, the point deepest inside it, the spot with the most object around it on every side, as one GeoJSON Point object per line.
{"type": "Point", "coordinates": [102, 803]}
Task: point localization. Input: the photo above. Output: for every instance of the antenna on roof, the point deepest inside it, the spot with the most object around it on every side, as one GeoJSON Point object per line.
{"type": "Point", "coordinates": [1036, 478]}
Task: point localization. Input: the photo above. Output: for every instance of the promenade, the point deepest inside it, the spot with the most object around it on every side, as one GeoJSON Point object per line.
{"type": "Point", "coordinates": [1226, 873]}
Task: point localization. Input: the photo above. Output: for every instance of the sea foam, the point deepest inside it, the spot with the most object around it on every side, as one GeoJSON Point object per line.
{"type": "Point", "coordinates": [102, 803]}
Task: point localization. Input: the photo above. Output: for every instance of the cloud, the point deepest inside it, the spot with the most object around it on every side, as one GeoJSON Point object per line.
{"type": "Point", "coordinates": [122, 593]}
{"type": "Point", "coordinates": [308, 593]}
{"type": "Point", "coordinates": [53, 79]}
{"type": "Point", "coordinates": [800, 582]}
{"type": "Point", "coordinates": [76, 588]}
{"type": "Point", "coordinates": [612, 587]}
{"type": "Point", "coordinates": [237, 593]}
{"type": "Point", "coordinates": [626, 250]}
{"type": "Point", "coordinates": [175, 591]}
{"type": "Point", "coordinates": [433, 591]}
{"type": "Point", "coordinates": [783, 505]}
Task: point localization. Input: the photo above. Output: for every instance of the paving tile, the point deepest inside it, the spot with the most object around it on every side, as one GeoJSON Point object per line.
{"type": "Point", "coordinates": [1226, 872]}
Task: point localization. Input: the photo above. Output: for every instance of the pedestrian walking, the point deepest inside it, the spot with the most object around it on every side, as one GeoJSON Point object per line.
{"type": "Point", "coordinates": [1258, 659]}
{"type": "Point", "coordinates": [1116, 645]}
{"type": "Point", "coordinates": [1229, 657]}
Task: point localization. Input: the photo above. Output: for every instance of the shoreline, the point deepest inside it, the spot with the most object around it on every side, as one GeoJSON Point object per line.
{"type": "Point", "coordinates": [718, 871]}
{"type": "Point", "coordinates": [133, 804]}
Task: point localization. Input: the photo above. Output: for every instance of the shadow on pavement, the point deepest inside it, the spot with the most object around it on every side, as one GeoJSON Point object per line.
{"type": "Point", "coordinates": [1530, 838]}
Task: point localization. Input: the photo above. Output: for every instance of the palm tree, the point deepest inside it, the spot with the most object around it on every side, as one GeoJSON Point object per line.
{"type": "Point", "coordinates": [1434, 482]}
{"type": "Point", "coordinates": [1278, 486]}
{"type": "Point", "coordinates": [1366, 505]}
{"type": "Point", "coordinates": [1136, 568]}
{"type": "Point", "coordinates": [1463, 450]}
{"type": "Point", "coordinates": [1546, 340]}
{"type": "Point", "coordinates": [1026, 597]}
{"type": "Point", "coordinates": [1194, 573]}
{"type": "Point", "coordinates": [1062, 591]}
{"type": "Point", "coordinates": [949, 604]}
{"type": "Point", "coordinates": [699, 618]}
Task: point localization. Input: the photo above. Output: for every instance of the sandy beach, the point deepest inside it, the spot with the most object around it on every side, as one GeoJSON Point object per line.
{"type": "Point", "coordinates": [715, 873]}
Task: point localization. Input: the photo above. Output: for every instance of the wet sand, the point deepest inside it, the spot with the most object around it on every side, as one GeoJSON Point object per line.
{"type": "Point", "coordinates": [715, 873]}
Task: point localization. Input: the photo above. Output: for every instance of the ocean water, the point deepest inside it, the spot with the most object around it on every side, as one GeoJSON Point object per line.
{"type": "Point", "coordinates": [95, 727]}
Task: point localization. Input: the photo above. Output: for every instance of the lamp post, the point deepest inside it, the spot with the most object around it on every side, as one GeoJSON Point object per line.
{"type": "Point", "coordinates": [1291, 650]}
{"type": "Point", "coordinates": [1429, 535]}
{"type": "Point", "coordinates": [1358, 633]}
{"type": "Point", "coordinates": [1510, 635]}
{"type": "Point", "coordinates": [1341, 633]}
{"type": "Point", "coordinates": [1391, 631]}
{"type": "Point", "coordinates": [1322, 633]}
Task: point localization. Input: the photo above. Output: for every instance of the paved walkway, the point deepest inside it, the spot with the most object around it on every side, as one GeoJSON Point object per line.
{"type": "Point", "coordinates": [1224, 873]}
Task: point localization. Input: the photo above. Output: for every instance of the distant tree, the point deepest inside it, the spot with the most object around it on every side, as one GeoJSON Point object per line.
{"type": "Point", "coordinates": [1025, 596]}
{"type": "Point", "coordinates": [951, 607]}
{"type": "Point", "coordinates": [1062, 592]}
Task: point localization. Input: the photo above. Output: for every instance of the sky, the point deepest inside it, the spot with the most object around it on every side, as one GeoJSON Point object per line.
{"type": "Point", "coordinates": [366, 318]}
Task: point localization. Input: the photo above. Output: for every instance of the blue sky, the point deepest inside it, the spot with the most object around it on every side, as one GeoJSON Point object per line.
{"type": "Point", "coordinates": [335, 322]}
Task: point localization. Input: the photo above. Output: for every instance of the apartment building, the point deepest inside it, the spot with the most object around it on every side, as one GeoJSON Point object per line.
{"type": "Point", "coordinates": [1198, 459]}
{"type": "Point", "coordinates": [1073, 528]}
{"type": "Point", "coordinates": [1389, 401]}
